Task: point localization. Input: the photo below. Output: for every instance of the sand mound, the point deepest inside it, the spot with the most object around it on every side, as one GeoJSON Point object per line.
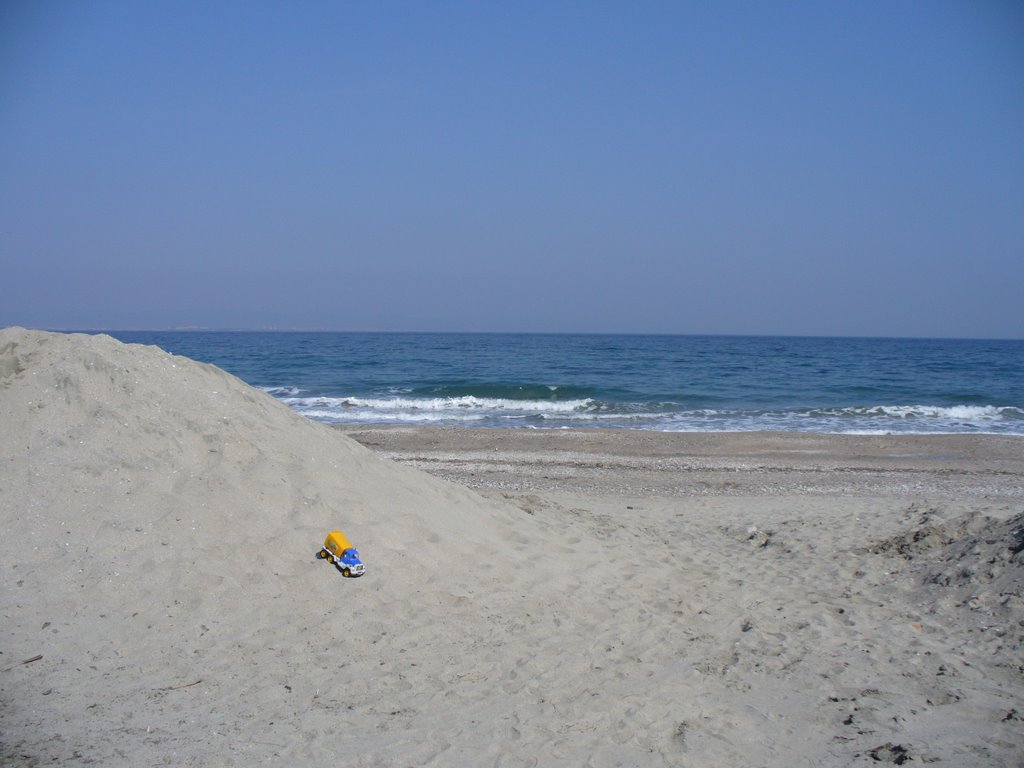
{"type": "Point", "coordinates": [157, 510]}
{"type": "Point", "coordinates": [160, 446]}
{"type": "Point", "coordinates": [983, 552]}
{"type": "Point", "coordinates": [970, 553]}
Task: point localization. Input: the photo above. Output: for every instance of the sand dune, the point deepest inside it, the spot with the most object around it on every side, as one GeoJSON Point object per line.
{"type": "Point", "coordinates": [161, 518]}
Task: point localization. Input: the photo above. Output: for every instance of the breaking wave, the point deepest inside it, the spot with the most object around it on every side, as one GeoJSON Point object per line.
{"type": "Point", "coordinates": [663, 416]}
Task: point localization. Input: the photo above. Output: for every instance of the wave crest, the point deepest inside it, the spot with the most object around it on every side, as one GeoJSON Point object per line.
{"type": "Point", "coordinates": [440, 404]}
{"type": "Point", "coordinates": [401, 407]}
{"type": "Point", "coordinates": [952, 412]}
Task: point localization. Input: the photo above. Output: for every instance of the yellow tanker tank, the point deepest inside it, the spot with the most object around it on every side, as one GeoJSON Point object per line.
{"type": "Point", "coordinates": [336, 543]}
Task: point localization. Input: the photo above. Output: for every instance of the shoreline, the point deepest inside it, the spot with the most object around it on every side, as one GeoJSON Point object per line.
{"type": "Point", "coordinates": [637, 462]}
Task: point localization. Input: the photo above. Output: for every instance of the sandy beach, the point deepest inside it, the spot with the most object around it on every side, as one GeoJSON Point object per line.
{"type": "Point", "coordinates": [636, 462]}
{"type": "Point", "coordinates": [532, 598]}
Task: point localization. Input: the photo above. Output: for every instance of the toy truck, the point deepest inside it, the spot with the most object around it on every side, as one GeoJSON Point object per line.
{"type": "Point", "coordinates": [338, 551]}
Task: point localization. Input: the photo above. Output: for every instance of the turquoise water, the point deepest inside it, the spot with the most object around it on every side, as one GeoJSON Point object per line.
{"type": "Point", "coordinates": [673, 383]}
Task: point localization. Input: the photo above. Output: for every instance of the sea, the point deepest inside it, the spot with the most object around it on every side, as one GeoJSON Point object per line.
{"type": "Point", "coordinates": [655, 382]}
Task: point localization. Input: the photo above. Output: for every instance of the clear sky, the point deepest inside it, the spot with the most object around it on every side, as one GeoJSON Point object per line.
{"type": "Point", "coordinates": [821, 168]}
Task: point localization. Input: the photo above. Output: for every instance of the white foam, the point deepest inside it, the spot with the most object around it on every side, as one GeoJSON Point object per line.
{"type": "Point", "coordinates": [369, 417]}
{"type": "Point", "coordinates": [447, 404]}
{"type": "Point", "coordinates": [953, 412]}
{"type": "Point", "coordinates": [281, 391]}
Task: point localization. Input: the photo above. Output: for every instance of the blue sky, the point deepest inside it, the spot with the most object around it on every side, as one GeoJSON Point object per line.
{"type": "Point", "coordinates": [828, 168]}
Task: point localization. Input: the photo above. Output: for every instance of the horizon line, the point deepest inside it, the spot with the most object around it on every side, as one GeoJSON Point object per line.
{"type": "Point", "coordinates": [274, 329]}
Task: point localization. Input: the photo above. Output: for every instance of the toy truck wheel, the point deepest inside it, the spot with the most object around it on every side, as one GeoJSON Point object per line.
{"type": "Point", "coordinates": [322, 554]}
{"type": "Point", "coordinates": [346, 572]}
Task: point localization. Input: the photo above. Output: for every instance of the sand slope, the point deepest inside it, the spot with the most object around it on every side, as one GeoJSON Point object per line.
{"type": "Point", "coordinates": [160, 522]}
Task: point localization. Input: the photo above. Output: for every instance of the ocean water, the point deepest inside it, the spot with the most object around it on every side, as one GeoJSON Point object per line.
{"type": "Point", "coordinates": [666, 383]}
